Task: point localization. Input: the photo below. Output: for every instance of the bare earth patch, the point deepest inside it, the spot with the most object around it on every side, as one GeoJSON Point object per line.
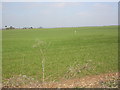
{"type": "Point", "coordinates": [109, 80]}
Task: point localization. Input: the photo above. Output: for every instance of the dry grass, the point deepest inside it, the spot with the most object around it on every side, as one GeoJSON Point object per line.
{"type": "Point", "coordinates": [98, 81]}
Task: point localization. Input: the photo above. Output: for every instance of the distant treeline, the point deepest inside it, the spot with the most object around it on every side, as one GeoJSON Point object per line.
{"type": "Point", "coordinates": [11, 28]}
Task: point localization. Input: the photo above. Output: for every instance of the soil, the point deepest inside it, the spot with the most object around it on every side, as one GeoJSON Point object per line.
{"type": "Point", "coordinates": [96, 81]}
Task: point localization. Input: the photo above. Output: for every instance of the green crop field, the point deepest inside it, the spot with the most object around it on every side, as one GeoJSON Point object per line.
{"type": "Point", "coordinates": [62, 52]}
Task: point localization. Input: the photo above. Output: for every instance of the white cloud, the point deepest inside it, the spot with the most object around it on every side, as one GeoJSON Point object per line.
{"type": "Point", "coordinates": [66, 4]}
{"type": "Point", "coordinates": [0, 5]}
{"type": "Point", "coordinates": [46, 12]}
{"type": "Point", "coordinates": [0, 15]}
{"type": "Point", "coordinates": [83, 14]}
{"type": "Point", "coordinates": [60, 5]}
{"type": "Point", "coordinates": [49, 14]}
{"type": "Point", "coordinates": [100, 14]}
{"type": "Point", "coordinates": [60, 0]}
{"type": "Point", "coordinates": [49, 4]}
{"type": "Point", "coordinates": [102, 7]}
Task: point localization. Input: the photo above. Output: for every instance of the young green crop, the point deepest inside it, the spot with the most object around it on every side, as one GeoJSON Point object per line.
{"type": "Point", "coordinates": [73, 52]}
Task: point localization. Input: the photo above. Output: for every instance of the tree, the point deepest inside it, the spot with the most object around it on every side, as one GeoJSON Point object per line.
{"type": "Point", "coordinates": [31, 27]}
{"type": "Point", "coordinates": [40, 27]}
{"type": "Point", "coordinates": [11, 27]}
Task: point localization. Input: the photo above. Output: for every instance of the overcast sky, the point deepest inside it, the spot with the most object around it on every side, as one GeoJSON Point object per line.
{"type": "Point", "coordinates": [63, 14]}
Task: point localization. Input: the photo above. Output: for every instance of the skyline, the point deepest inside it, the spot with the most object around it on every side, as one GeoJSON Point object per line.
{"type": "Point", "coordinates": [63, 14]}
